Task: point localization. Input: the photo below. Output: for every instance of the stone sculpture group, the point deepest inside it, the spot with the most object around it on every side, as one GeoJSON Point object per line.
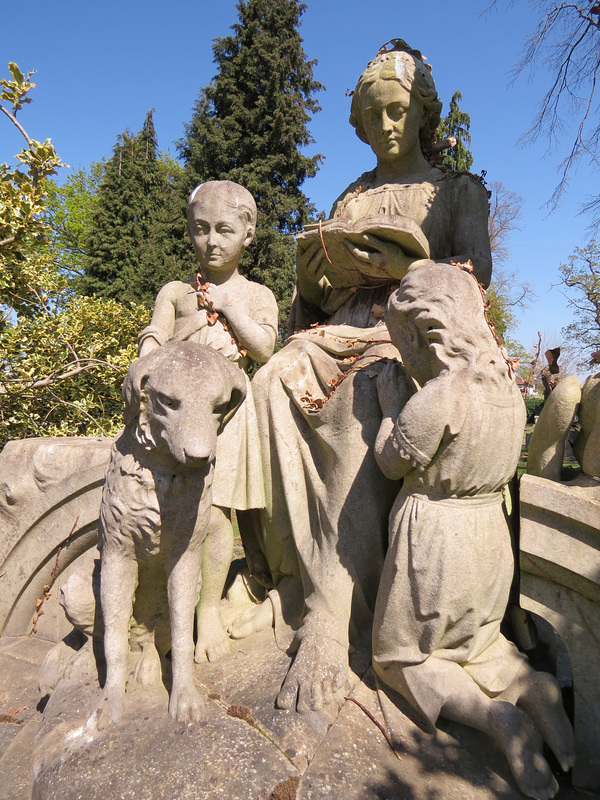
{"type": "Point", "coordinates": [367, 464]}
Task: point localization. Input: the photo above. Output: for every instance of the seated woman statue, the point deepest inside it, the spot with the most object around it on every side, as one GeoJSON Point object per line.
{"type": "Point", "coordinates": [328, 503]}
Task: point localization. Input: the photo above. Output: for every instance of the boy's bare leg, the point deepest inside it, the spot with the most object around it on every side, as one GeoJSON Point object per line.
{"type": "Point", "coordinates": [538, 693]}
{"type": "Point", "coordinates": [213, 642]}
{"type": "Point", "coordinates": [511, 729]}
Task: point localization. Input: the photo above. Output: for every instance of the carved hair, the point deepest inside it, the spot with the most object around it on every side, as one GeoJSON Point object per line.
{"type": "Point", "coordinates": [406, 66]}
{"type": "Point", "coordinates": [231, 194]}
{"type": "Point", "coordinates": [445, 304]}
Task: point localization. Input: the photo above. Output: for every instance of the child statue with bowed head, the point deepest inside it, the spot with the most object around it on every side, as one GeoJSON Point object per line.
{"type": "Point", "coordinates": [237, 317]}
{"type": "Point", "coordinates": [449, 566]}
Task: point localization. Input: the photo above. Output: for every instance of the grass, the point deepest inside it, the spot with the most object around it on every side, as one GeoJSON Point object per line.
{"type": "Point", "coordinates": [522, 466]}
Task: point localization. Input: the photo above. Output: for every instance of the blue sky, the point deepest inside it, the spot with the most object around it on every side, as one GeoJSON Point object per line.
{"type": "Point", "coordinates": [101, 66]}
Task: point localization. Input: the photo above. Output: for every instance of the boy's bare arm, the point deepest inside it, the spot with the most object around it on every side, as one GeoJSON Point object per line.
{"type": "Point", "coordinates": [257, 338]}
{"type": "Point", "coordinates": [162, 323]}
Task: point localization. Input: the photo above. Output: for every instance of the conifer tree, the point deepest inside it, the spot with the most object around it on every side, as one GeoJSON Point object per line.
{"type": "Point", "coordinates": [250, 124]}
{"type": "Point", "coordinates": [131, 251]}
{"type": "Point", "coordinates": [456, 125]}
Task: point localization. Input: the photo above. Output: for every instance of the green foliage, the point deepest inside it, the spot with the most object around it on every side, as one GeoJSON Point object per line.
{"type": "Point", "coordinates": [456, 126]}
{"type": "Point", "coordinates": [499, 312]}
{"type": "Point", "coordinates": [581, 276]}
{"type": "Point", "coordinates": [61, 372]}
{"type": "Point", "coordinates": [250, 125]}
{"type": "Point", "coordinates": [533, 405]}
{"type": "Point", "coordinates": [135, 240]}
{"type": "Point", "coordinates": [69, 213]}
{"type": "Point", "coordinates": [502, 302]}
{"type": "Point", "coordinates": [62, 358]}
{"type": "Point", "coordinates": [26, 271]}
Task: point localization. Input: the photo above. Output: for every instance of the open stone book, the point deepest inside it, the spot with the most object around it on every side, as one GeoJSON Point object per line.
{"type": "Point", "coordinates": [337, 234]}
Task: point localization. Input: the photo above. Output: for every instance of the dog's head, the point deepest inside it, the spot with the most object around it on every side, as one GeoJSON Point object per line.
{"type": "Point", "coordinates": [179, 397]}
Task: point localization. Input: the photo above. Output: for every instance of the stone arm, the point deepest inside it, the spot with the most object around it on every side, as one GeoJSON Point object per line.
{"type": "Point", "coordinates": [257, 333]}
{"type": "Point", "coordinates": [313, 286]}
{"type": "Point", "coordinates": [162, 323]}
{"type": "Point", "coordinates": [412, 427]}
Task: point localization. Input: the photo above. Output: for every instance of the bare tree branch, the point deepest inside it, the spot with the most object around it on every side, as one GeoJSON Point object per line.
{"type": "Point", "coordinates": [505, 213]}
{"type": "Point", "coordinates": [567, 42]}
{"type": "Point", "coordinates": [56, 377]}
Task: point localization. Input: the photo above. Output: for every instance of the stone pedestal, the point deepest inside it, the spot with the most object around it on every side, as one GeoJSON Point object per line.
{"type": "Point", "coordinates": [560, 581]}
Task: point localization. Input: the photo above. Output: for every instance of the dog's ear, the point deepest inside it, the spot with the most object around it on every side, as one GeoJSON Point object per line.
{"type": "Point", "coordinates": [238, 393]}
{"type": "Point", "coordinates": [136, 377]}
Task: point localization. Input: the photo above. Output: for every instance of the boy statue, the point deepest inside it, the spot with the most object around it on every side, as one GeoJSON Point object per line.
{"type": "Point", "coordinates": [221, 308]}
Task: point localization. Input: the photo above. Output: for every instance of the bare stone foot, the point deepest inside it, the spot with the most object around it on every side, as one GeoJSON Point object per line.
{"type": "Point", "coordinates": [252, 620]}
{"type": "Point", "coordinates": [542, 700]}
{"type": "Point", "coordinates": [320, 668]}
{"type": "Point", "coordinates": [522, 746]}
{"type": "Point", "coordinates": [108, 711]}
{"type": "Point", "coordinates": [213, 643]}
{"type": "Point", "coordinates": [185, 704]}
{"type": "Point", "coordinates": [148, 669]}
{"type": "Point", "coordinates": [54, 667]}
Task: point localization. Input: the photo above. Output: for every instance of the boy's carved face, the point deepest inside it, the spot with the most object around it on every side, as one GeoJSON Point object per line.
{"type": "Point", "coordinates": [218, 233]}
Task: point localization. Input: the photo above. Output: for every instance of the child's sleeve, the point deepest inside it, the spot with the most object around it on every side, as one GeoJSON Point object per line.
{"type": "Point", "coordinates": [416, 436]}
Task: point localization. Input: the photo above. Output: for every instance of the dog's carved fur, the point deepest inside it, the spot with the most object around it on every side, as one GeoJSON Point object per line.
{"type": "Point", "coordinates": [155, 509]}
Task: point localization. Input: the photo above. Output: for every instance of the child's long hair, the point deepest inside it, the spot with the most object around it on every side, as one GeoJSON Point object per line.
{"type": "Point", "coordinates": [444, 302]}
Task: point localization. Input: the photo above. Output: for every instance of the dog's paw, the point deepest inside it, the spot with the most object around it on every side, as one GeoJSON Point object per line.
{"type": "Point", "coordinates": [185, 704]}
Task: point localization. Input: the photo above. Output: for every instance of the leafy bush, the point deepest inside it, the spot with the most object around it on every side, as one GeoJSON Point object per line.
{"type": "Point", "coordinates": [62, 357]}
{"type": "Point", "coordinates": [534, 404]}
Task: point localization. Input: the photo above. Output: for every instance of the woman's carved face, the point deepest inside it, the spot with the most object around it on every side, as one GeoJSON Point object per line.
{"type": "Point", "coordinates": [391, 119]}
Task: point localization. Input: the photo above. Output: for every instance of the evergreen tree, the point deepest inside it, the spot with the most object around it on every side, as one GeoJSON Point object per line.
{"type": "Point", "coordinates": [249, 126]}
{"type": "Point", "coordinates": [456, 126]}
{"type": "Point", "coordinates": [130, 250]}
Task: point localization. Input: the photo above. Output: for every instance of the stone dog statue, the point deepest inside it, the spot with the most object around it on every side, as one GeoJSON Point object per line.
{"type": "Point", "coordinates": [154, 512]}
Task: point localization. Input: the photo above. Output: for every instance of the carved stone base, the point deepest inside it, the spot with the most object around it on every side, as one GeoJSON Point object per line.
{"type": "Point", "coordinates": [244, 748]}
{"type": "Point", "coordinates": [560, 581]}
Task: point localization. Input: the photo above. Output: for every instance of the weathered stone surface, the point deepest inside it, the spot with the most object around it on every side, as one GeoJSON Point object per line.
{"type": "Point", "coordinates": [20, 659]}
{"type": "Point", "coordinates": [154, 515]}
{"type": "Point", "coordinates": [547, 444]}
{"type": "Point", "coordinates": [150, 757]}
{"type": "Point", "coordinates": [560, 581]}
{"type": "Point", "coordinates": [50, 493]}
{"type": "Point", "coordinates": [238, 318]}
{"type": "Point", "coordinates": [316, 399]}
{"type": "Point", "coordinates": [453, 764]}
{"type": "Point", "coordinates": [449, 567]}
{"type": "Point", "coordinates": [587, 446]}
